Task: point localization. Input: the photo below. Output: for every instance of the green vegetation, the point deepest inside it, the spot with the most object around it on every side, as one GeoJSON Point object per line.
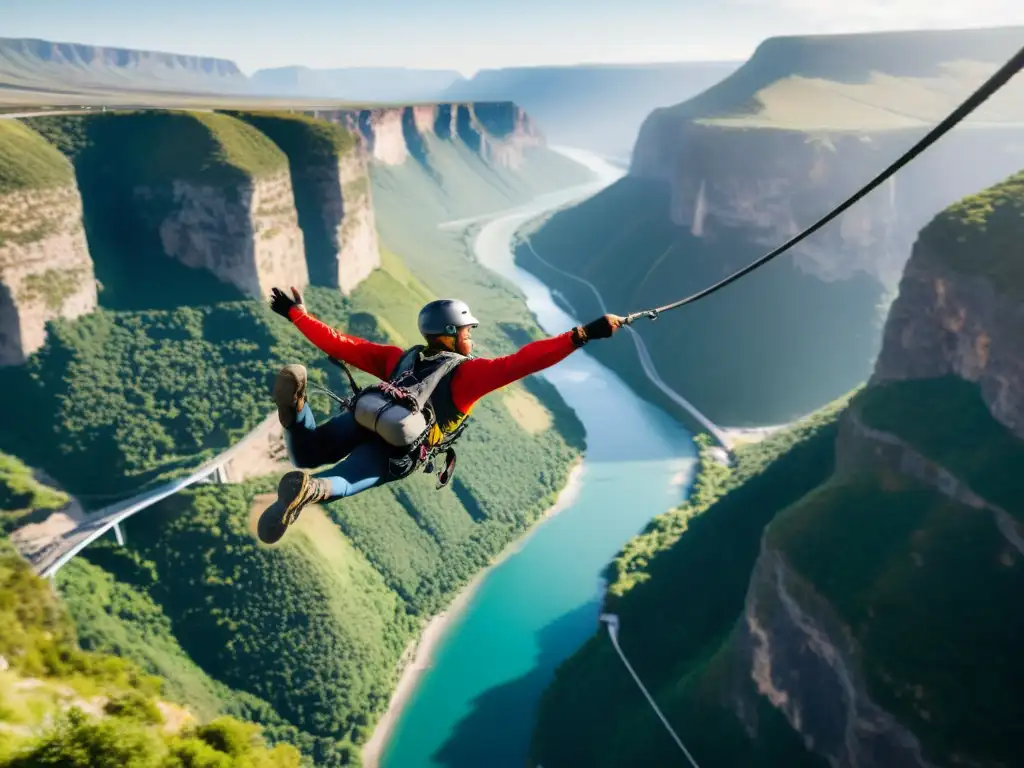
{"type": "Point", "coordinates": [314, 618]}
{"type": "Point", "coordinates": [980, 235]}
{"type": "Point", "coordinates": [51, 684]}
{"type": "Point", "coordinates": [698, 560]}
{"type": "Point", "coordinates": [76, 741]}
{"type": "Point", "coordinates": [924, 584]}
{"type": "Point", "coordinates": [630, 567]}
{"type": "Point", "coordinates": [200, 381]}
{"type": "Point", "coordinates": [964, 438]}
{"type": "Point", "coordinates": [54, 286]}
{"type": "Point", "coordinates": [158, 146]}
{"type": "Point", "coordinates": [22, 496]}
{"type": "Point", "coordinates": [27, 162]}
{"type": "Point", "coordinates": [305, 140]}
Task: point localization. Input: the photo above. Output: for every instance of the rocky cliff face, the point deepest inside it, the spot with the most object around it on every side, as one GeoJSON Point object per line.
{"type": "Point", "coordinates": [354, 226]}
{"type": "Point", "coordinates": [971, 326]}
{"type": "Point", "coordinates": [928, 496]}
{"type": "Point", "coordinates": [800, 656]}
{"type": "Point", "coordinates": [500, 132]}
{"type": "Point", "coordinates": [329, 170]}
{"type": "Point", "coordinates": [247, 234]}
{"type": "Point", "coordinates": [45, 269]}
{"type": "Point", "coordinates": [807, 120]}
{"type": "Point", "coordinates": [767, 185]}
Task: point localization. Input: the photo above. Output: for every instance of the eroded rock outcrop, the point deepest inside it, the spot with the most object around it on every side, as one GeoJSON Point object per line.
{"type": "Point", "coordinates": [800, 656]}
{"type": "Point", "coordinates": [221, 201]}
{"type": "Point", "coordinates": [770, 184]}
{"type": "Point", "coordinates": [356, 228]}
{"type": "Point", "coordinates": [499, 132]}
{"type": "Point", "coordinates": [329, 170]}
{"type": "Point", "coordinates": [45, 269]}
{"type": "Point", "coordinates": [972, 326]}
{"type": "Point", "coordinates": [245, 234]}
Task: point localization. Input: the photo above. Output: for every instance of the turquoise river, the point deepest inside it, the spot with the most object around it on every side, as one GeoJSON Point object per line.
{"type": "Point", "coordinates": [475, 705]}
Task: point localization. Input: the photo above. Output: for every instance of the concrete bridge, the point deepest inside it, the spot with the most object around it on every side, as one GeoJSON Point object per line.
{"type": "Point", "coordinates": [50, 545]}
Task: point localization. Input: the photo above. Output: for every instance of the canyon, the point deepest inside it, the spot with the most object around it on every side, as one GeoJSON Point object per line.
{"type": "Point", "coordinates": [717, 181]}
{"type": "Point", "coordinates": [252, 199]}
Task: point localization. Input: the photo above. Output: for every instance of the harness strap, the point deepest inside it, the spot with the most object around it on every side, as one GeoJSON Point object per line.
{"type": "Point", "coordinates": [421, 453]}
{"type": "Point", "coordinates": [351, 380]}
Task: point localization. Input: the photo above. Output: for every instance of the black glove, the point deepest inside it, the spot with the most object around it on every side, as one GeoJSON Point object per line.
{"type": "Point", "coordinates": [281, 304]}
{"type": "Point", "coordinates": [602, 328]}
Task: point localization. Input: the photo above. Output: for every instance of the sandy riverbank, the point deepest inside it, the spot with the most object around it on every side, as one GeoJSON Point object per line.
{"type": "Point", "coordinates": [435, 630]}
{"type": "Point", "coordinates": [742, 435]}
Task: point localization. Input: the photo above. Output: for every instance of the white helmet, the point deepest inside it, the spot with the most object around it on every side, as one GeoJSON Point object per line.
{"type": "Point", "coordinates": [444, 317]}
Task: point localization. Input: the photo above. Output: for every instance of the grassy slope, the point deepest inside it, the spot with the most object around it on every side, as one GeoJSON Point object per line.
{"type": "Point", "coordinates": [980, 236]}
{"type": "Point", "coordinates": [48, 672]}
{"type": "Point", "coordinates": [193, 146]}
{"type": "Point", "coordinates": [28, 162]}
{"type": "Point", "coordinates": [303, 139]}
{"type": "Point", "coordinates": [861, 82]}
{"type": "Point", "coordinates": [23, 497]}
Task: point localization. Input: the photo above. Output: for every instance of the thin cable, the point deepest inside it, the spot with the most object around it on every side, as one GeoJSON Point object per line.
{"type": "Point", "coordinates": [989, 87]}
{"type": "Point", "coordinates": [613, 634]}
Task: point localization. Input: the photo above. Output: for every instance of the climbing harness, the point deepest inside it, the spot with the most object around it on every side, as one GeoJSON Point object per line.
{"type": "Point", "coordinates": [388, 395]}
{"type": "Point", "coordinates": [989, 87]}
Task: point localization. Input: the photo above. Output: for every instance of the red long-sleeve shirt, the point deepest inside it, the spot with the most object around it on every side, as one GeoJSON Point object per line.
{"type": "Point", "coordinates": [472, 380]}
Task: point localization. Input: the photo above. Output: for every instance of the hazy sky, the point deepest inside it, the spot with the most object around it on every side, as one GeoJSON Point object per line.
{"type": "Point", "coordinates": [467, 35]}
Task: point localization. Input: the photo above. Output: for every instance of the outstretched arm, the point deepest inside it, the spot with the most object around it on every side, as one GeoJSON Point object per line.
{"type": "Point", "coordinates": [478, 377]}
{"type": "Point", "coordinates": [376, 359]}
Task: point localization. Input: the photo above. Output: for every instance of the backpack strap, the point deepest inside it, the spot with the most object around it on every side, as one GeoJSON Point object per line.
{"type": "Point", "coordinates": [406, 361]}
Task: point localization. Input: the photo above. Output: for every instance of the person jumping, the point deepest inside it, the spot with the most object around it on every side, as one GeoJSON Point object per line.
{"type": "Point", "coordinates": [425, 394]}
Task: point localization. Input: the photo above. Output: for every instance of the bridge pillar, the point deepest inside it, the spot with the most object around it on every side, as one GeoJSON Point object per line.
{"type": "Point", "coordinates": [119, 534]}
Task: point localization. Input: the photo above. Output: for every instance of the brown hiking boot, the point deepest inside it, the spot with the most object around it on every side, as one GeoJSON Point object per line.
{"type": "Point", "coordinates": [295, 491]}
{"type": "Point", "coordinates": [290, 393]}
